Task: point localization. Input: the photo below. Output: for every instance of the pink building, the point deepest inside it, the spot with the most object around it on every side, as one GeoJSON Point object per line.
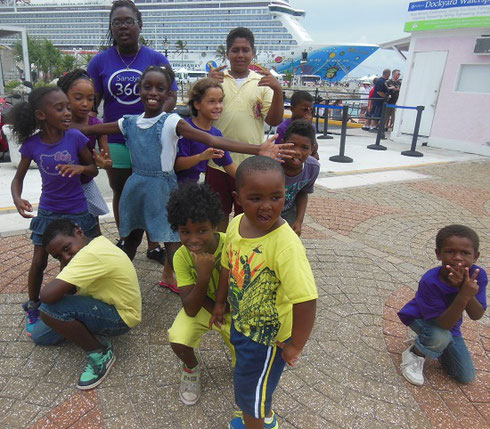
{"type": "Point", "coordinates": [448, 72]}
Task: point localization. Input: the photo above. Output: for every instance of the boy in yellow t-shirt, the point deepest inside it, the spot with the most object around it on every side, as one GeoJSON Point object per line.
{"type": "Point", "coordinates": [194, 210]}
{"type": "Point", "coordinates": [270, 288]}
{"type": "Point", "coordinates": [96, 293]}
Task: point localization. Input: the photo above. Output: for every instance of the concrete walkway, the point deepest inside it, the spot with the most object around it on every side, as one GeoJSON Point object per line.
{"type": "Point", "coordinates": [368, 244]}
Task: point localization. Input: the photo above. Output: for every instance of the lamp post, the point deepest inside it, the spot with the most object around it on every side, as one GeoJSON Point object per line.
{"type": "Point", "coordinates": [166, 45]}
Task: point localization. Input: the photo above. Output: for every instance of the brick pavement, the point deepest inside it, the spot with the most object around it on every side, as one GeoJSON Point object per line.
{"type": "Point", "coordinates": [368, 247]}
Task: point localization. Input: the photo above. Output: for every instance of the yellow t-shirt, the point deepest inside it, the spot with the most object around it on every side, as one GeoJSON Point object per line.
{"type": "Point", "coordinates": [103, 271]}
{"type": "Point", "coordinates": [186, 273]}
{"type": "Point", "coordinates": [268, 275]}
{"type": "Point", "coordinates": [244, 112]}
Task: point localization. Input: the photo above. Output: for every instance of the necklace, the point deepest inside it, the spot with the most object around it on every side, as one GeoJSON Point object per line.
{"type": "Point", "coordinates": [124, 62]}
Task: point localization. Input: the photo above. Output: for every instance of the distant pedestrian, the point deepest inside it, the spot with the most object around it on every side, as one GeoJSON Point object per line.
{"type": "Point", "coordinates": [393, 85]}
{"type": "Point", "coordinates": [367, 124]}
{"type": "Point", "coordinates": [364, 96]}
{"type": "Point", "coordinates": [380, 96]}
{"type": "Point", "coordinates": [436, 312]}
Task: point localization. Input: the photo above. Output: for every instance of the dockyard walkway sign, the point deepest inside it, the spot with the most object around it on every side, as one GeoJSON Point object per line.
{"type": "Point", "coordinates": [447, 14]}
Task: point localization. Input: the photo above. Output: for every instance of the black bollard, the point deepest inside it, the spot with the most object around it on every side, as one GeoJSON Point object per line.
{"type": "Point", "coordinates": [317, 117]}
{"type": "Point", "coordinates": [412, 151]}
{"type": "Point", "coordinates": [381, 131]}
{"type": "Point", "coordinates": [341, 157]}
{"type": "Point", "coordinates": [325, 135]}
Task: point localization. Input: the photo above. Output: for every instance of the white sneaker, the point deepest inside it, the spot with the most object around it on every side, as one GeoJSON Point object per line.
{"type": "Point", "coordinates": [412, 367]}
{"type": "Point", "coordinates": [190, 386]}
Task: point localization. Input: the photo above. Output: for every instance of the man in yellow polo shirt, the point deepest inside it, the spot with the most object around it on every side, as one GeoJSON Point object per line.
{"type": "Point", "coordinates": [96, 293]}
{"type": "Point", "coordinates": [251, 100]}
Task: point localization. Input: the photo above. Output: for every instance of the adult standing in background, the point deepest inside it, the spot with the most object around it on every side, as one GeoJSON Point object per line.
{"type": "Point", "coordinates": [393, 85]}
{"type": "Point", "coordinates": [116, 72]}
{"type": "Point", "coordinates": [380, 96]}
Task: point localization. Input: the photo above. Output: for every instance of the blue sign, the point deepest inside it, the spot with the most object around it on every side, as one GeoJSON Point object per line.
{"type": "Point", "coordinates": [210, 65]}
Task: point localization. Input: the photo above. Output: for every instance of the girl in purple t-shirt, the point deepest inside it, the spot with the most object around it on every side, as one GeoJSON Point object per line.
{"type": "Point", "coordinates": [206, 104]}
{"type": "Point", "coordinates": [80, 90]}
{"type": "Point", "coordinates": [59, 151]}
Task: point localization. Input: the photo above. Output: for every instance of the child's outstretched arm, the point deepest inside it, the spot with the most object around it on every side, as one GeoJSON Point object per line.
{"type": "Point", "coordinates": [186, 162]}
{"type": "Point", "coordinates": [465, 300]}
{"type": "Point", "coordinates": [22, 206]}
{"type": "Point", "coordinates": [301, 203]}
{"type": "Point", "coordinates": [268, 148]}
{"type": "Point", "coordinates": [98, 129]}
{"type": "Point", "coordinates": [218, 317]}
{"type": "Point", "coordinates": [303, 320]}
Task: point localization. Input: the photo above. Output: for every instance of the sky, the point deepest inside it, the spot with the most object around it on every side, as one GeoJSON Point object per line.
{"type": "Point", "coordinates": [358, 21]}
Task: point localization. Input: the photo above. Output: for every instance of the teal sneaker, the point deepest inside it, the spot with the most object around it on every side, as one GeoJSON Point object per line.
{"type": "Point", "coordinates": [98, 366]}
{"type": "Point", "coordinates": [239, 423]}
{"type": "Point", "coordinates": [32, 315]}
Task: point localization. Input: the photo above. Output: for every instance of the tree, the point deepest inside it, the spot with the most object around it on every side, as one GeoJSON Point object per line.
{"type": "Point", "coordinates": [180, 48]}
{"type": "Point", "coordinates": [46, 57]}
{"type": "Point", "coordinates": [288, 76]}
{"type": "Point", "coordinates": [221, 54]}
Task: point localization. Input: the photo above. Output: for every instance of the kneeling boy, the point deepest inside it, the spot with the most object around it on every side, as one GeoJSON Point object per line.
{"type": "Point", "coordinates": [301, 173]}
{"type": "Point", "coordinates": [96, 293]}
{"type": "Point", "coordinates": [194, 210]}
{"type": "Point", "coordinates": [436, 312]}
{"type": "Point", "coordinates": [270, 288]}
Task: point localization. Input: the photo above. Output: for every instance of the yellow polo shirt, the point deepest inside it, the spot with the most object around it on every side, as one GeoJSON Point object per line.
{"type": "Point", "coordinates": [244, 112]}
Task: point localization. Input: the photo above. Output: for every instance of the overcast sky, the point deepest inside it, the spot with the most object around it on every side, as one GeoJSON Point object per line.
{"type": "Point", "coordinates": [358, 21]}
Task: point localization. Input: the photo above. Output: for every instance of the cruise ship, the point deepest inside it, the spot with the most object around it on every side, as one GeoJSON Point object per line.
{"type": "Point", "coordinates": [282, 43]}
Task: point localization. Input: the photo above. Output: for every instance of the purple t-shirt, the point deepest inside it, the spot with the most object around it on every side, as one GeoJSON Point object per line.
{"type": "Point", "coordinates": [120, 86]}
{"type": "Point", "coordinates": [188, 147]}
{"type": "Point", "coordinates": [59, 194]}
{"type": "Point", "coordinates": [434, 297]}
{"type": "Point", "coordinates": [281, 130]}
{"type": "Point", "coordinates": [304, 181]}
{"type": "Point", "coordinates": [92, 142]}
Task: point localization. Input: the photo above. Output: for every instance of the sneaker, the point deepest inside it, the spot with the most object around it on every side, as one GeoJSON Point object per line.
{"type": "Point", "coordinates": [32, 316]}
{"type": "Point", "coordinates": [239, 423]}
{"type": "Point", "coordinates": [157, 254]}
{"type": "Point", "coordinates": [365, 128]}
{"type": "Point", "coordinates": [190, 385]}
{"type": "Point", "coordinates": [412, 367]}
{"type": "Point", "coordinates": [120, 243]}
{"type": "Point", "coordinates": [98, 366]}
{"type": "Point", "coordinates": [373, 130]}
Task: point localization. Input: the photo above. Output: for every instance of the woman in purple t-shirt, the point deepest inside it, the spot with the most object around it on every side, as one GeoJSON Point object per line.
{"type": "Point", "coordinates": [58, 151]}
{"type": "Point", "coordinates": [116, 72]}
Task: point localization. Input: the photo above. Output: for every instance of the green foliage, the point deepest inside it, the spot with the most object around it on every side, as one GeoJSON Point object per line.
{"type": "Point", "coordinates": [288, 76]}
{"type": "Point", "coordinates": [180, 48]}
{"type": "Point", "coordinates": [221, 54]}
{"type": "Point", "coordinates": [9, 86]}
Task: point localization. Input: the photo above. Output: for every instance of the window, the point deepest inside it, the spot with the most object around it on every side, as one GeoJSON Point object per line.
{"type": "Point", "coordinates": [474, 78]}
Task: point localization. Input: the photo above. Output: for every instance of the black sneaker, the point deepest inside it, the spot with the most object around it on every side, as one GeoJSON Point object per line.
{"type": "Point", "coordinates": [157, 254]}
{"type": "Point", "coordinates": [120, 244]}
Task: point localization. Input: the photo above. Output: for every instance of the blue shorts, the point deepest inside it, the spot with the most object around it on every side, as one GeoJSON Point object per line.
{"type": "Point", "coordinates": [38, 225]}
{"type": "Point", "coordinates": [256, 375]}
{"type": "Point", "coordinates": [99, 318]}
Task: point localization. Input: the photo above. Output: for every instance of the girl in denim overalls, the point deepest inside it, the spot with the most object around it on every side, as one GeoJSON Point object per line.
{"type": "Point", "coordinates": [152, 142]}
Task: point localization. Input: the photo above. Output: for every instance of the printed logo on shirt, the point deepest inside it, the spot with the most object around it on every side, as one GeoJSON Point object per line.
{"type": "Point", "coordinates": [124, 86]}
{"type": "Point", "coordinates": [257, 109]}
{"type": "Point", "coordinates": [48, 163]}
{"type": "Point", "coordinates": [292, 190]}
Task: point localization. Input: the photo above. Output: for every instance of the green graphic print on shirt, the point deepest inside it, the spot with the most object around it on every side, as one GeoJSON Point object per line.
{"type": "Point", "coordinates": [252, 296]}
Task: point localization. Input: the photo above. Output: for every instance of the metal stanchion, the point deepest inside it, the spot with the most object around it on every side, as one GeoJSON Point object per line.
{"type": "Point", "coordinates": [381, 130]}
{"type": "Point", "coordinates": [317, 118]}
{"type": "Point", "coordinates": [341, 157]}
{"type": "Point", "coordinates": [412, 151]}
{"type": "Point", "coordinates": [325, 135]}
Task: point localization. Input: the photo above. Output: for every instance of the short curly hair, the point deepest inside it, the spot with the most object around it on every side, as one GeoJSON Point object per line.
{"type": "Point", "coordinates": [458, 231]}
{"type": "Point", "coordinates": [194, 201]}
